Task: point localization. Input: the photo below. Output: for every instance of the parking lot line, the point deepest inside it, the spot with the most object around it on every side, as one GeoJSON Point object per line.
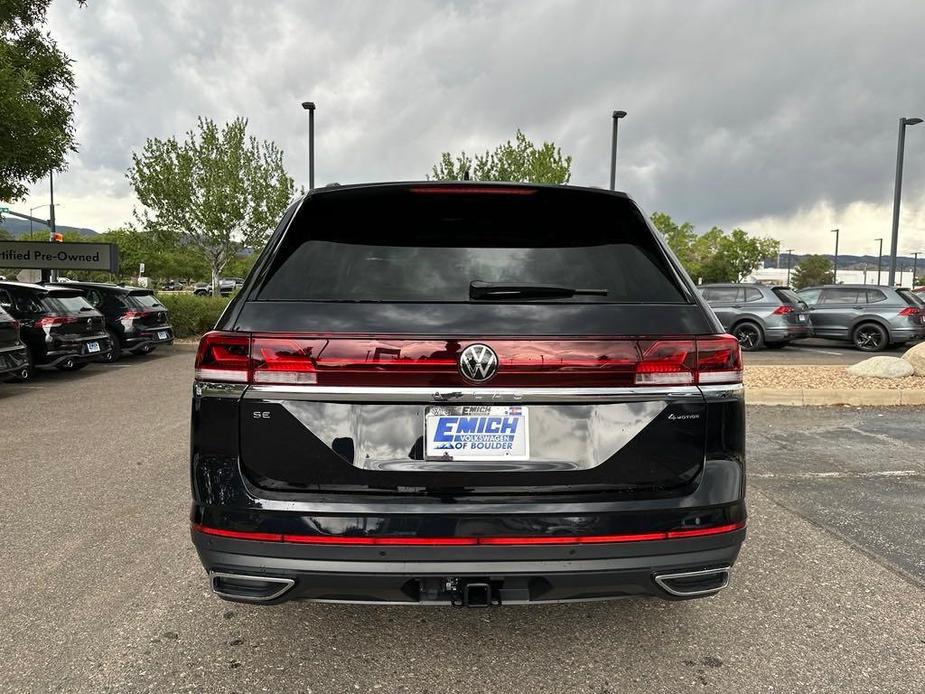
{"type": "Point", "coordinates": [838, 474]}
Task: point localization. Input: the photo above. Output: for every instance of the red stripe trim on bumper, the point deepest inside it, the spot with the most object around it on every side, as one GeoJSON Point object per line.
{"type": "Point", "coordinates": [433, 541]}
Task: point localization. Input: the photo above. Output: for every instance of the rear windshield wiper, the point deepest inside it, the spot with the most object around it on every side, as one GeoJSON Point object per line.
{"type": "Point", "coordinates": [518, 290]}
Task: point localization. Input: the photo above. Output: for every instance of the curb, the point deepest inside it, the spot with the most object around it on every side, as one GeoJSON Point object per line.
{"type": "Point", "coordinates": [808, 397]}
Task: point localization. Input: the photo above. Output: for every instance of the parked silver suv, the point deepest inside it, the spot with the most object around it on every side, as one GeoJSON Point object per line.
{"type": "Point", "coordinates": [872, 317]}
{"type": "Point", "coordinates": [757, 315]}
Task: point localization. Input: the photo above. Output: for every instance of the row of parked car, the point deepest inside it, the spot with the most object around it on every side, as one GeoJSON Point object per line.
{"type": "Point", "coordinates": [70, 325]}
{"type": "Point", "coordinates": [871, 317]}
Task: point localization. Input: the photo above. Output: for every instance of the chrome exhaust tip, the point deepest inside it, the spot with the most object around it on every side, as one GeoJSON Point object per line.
{"type": "Point", "coordinates": [248, 588]}
{"type": "Point", "coordinates": [689, 584]}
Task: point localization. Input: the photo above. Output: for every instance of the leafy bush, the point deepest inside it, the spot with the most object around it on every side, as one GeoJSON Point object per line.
{"type": "Point", "coordinates": [192, 315]}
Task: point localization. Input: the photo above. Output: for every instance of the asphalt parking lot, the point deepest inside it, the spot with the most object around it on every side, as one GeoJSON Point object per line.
{"type": "Point", "coordinates": [101, 590]}
{"type": "Point", "coordinates": [815, 351]}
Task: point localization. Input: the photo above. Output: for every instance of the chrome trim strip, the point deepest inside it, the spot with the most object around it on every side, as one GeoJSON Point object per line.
{"type": "Point", "coordinates": [727, 391]}
{"type": "Point", "coordinates": [285, 583]}
{"type": "Point", "coordinates": [661, 578]}
{"type": "Point", "coordinates": [460, 395]}
{"type": "Point", "coordinates": [214, 389]}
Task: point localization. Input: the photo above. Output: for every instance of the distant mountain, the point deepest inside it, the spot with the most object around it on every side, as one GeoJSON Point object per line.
{"type": "Point", "coordinates": [19, 229]}
{"type": "Point", "coordinates": [849, 262]}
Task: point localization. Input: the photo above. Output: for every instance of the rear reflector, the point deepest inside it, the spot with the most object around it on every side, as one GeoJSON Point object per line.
{"type": "Point", "coordinates": [332, 360]}
{"type": "Point", "coordinates": [366, 540]}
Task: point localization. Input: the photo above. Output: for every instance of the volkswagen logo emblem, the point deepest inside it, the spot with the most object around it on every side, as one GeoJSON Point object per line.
{"type": "Point", "coordinates": [478, 363]}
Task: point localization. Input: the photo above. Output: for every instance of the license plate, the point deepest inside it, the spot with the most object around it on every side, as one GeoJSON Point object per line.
{"type": "Point", "coordinates": [93, 347]}
{"type": "Point", "coordinates": [476, 432]}
{"type": "Point", "coordinates": [161, 334]}
{"type": "Point", "coordinates": [801, 318]}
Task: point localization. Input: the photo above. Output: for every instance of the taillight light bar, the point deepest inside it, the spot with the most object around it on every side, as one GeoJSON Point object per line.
{"type": "Point", "coordinates": [910, 311]}
{"type": "Point", "coordinates": [52, 321]}
{"type": "Point", "coordinates": [378, 541]}
{"type": "Point", "coordinates": [783, 310]}
{"type": "Point", "coordinates": [522, 363]}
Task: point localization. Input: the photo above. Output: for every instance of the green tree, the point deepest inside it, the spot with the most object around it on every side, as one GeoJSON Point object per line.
{"type": "Point", "coordinates": [714, 256]}
{"type": "Point", "coordinates": [737, 255]}
{"type": "Point", "coordinates": [215, 192]}
{"type": "Point", "coordinates": [812, 270]}
{"type": "Point", "coordinates": [5, 235]}
{"type": "Point", "coordinates": [36, 98]}
{"type": "Point", "coordinates": [518, 161]}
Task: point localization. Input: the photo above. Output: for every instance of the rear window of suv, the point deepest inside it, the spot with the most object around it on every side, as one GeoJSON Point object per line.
{"type": "Point", "coordinates": [396, 245]}
{"type": "Point", "coordinates": [59, 302]}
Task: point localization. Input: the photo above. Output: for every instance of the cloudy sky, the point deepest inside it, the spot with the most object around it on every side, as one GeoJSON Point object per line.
{"type": "Point", "coordinates": [780, 117]}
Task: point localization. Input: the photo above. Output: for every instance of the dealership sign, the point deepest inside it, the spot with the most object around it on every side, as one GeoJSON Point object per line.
{"type": "Point", "coordinates": [48, 255]}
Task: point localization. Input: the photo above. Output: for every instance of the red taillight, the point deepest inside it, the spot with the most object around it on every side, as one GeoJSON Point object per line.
{"type": "Point", "coordinates": [223, 357]}
{"type": "Point", "coordinates": [368, 540]}
{"type": "Point", "coordinates": [52, 321]}
{"type": "Point", "coordinates": [411, 362]}
{"type": "Point", "coordinates": [783, 310]}
{"type": "Point", "coordinates": [910, 311]}
{"type": "Point", "coordinates": [719, 360]}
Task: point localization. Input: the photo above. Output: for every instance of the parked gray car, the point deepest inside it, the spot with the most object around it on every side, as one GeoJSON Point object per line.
{"type": "Point", "coordinates": [757, 315]}
{"type": "Point", "coordinates": [872, 317]}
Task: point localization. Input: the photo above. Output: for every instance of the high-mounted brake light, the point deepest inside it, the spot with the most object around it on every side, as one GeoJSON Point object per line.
{"type": "Point", "coordinates": [783, 310]}
{"type": "Point", "coordinates": [473, 190]}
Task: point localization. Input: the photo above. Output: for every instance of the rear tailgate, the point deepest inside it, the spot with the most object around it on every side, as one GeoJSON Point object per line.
{"type": "Point", "coordinates": [799, 313]}
{"type": "Point", "coordinates": [353, 339]}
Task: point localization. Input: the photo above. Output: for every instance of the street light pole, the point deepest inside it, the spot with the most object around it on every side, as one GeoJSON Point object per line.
{"type": "Point", "coordinates": [789, 260]}
{"type": "Point", "coordinates": [617, 115]}
{"type": "Point", "coordinates": [835, 263]}
{"type": "Point", "coordinates": [915, 266]}
{"type": "Point", "coordinates": [879, 259]}
{"type": "Point", "coordinates": [310, 107]}
{"type": "Point", "coordinates": [897, 191]}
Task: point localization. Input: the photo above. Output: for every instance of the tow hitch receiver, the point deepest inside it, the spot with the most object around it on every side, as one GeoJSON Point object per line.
{"type": "Point", "coordinates": [472, 593]}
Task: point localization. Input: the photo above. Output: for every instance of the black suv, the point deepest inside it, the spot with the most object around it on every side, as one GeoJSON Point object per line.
{"type": "Point", "coordinates": [57, 324]}
{"type": "Point", "coordinates": [13, 359]}
{"type": "Point", "coordinates": [469, 394]}
{"type": "Point", "coordinates": [135, 320]}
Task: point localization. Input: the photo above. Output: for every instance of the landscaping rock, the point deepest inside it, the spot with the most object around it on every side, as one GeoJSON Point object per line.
{"type": "Point", "coordinates": [916, 357]}
{"type": "Point", "coordinates": [882, 367]}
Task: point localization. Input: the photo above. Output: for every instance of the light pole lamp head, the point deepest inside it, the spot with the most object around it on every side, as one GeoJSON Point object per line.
{"type": "Point", "coordinates": [912, 121]}
{"type": "Point", "coordinates": [308, 105]}
{"type": "Point", "coordinates": [619, 114]}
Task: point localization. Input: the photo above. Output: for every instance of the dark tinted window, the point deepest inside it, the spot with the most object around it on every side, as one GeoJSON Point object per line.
{"type": "Point", "coordinates": [396, 245]}
{"type": "Point", "coordinates": [65, 303]}
{"type": "Point", "coordinates": [788, 296]}
{"type": "Point", "coordinates": [810, 296]}
{"type": "Point", "coordinates": [144, 299]}
{"type": "Point", "coordinates": [911, 298]}
{"type": "Point", "coordinates": [752, 294]}
{"type": "Point", "coordinates": [725, 295]}
{"type": "Point", "coordinates": [841, 296]}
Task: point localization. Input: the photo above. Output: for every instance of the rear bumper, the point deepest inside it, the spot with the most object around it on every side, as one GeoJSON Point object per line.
{"type": "Point", "coordinates": [149, 337]}
{"type": "Point", "coordinates": [788, 332]}
{"type": "Point", "coordinates": [440, 575]}
{"type": "Point", "coordinates": [77, 351]}
{"type": "Point", "coordinates": [906, 334]}
{"type": "Point", "coordinates": [12, 359]}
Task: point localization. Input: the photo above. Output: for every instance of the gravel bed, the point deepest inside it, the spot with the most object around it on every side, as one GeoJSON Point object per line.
{"type": "Point", "coordinates": [823, 377]}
